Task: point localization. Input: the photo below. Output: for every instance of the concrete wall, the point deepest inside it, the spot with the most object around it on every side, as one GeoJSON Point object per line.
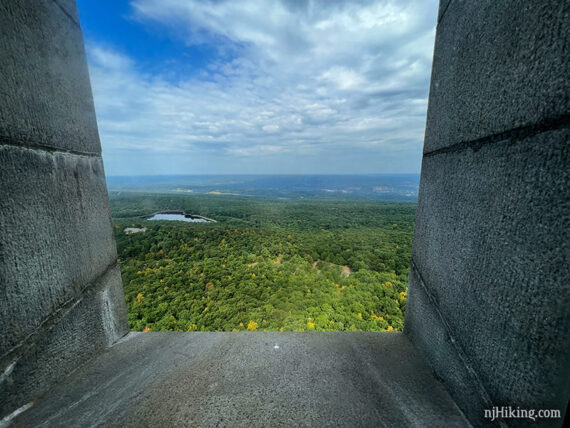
{"type": "Point", "coordinates": [61, 298]}
{"type": "Point", "coordinates": [489, 288]}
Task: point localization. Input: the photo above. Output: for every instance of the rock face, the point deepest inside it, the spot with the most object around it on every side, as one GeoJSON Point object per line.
{"type": "Point", "coordinates": [489, 288]}
{"type": "Point", "coordinates": [61, 294]}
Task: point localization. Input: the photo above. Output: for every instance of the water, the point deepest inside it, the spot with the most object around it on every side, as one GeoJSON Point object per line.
{"type": "Point", "coordinates": [177, 217]}
{"type": "Point", "coordinates": [130, 230]}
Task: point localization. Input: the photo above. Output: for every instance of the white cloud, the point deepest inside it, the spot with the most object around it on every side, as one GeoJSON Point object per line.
{"type": "Point", "coordinates": [344, 78]}
{"type": "Point", "coordinates": [316, 79]}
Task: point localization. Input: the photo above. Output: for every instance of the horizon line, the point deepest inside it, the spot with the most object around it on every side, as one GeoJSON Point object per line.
{"type": "Point", "coordinates": [261, 175]}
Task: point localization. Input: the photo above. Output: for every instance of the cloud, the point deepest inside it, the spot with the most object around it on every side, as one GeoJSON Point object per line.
{"type": "Point", "coordinates": [294, 87]}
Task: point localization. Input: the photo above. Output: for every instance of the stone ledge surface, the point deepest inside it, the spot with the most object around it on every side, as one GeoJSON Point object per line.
{"type": "Point", "coordinates": [251, 379]}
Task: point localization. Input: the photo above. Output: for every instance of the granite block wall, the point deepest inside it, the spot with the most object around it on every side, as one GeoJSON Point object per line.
{"type": "Point", "coordinates": [489, 287]}
{"type": "Point", "coordinates": [61, 299]}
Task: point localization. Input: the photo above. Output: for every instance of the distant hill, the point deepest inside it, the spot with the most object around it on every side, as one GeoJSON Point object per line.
{"type": "Point", "coordinates": [388, 187]}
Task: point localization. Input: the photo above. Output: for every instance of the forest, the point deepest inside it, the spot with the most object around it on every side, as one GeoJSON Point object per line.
{"type": "Point", "coordinates": [266, 264]}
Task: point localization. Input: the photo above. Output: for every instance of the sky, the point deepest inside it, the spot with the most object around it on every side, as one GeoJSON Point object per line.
{"type": "Point", "coordinates": [259, 87]}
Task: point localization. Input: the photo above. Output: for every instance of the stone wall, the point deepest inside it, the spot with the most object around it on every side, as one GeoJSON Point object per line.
{"type": "Point", "coordinates": [61, 298]}
{"type": "Point", "coordinates": [489, 287]}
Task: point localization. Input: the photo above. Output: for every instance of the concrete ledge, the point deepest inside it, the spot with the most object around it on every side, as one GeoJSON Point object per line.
{"type": "Point", "coordinates": [56, 235]}
{"type": "Point", "coordinates": [497, 65]}
{"type": "Point", "coordinates": [94, 322]}
{"type": "Point", "coordinates": [492, 243]}
{"type": "Point", "coordinates": [251, 379]}
{"type": "Point", "coordinates": [46, 96]}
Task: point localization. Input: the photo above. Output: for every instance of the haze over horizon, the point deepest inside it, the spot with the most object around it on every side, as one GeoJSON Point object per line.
{"type": "Point", "coordinates": [220, 87]}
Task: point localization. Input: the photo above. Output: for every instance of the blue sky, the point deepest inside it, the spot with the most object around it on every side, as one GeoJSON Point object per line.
{"type": "Point", "coordinates": [260, 87]}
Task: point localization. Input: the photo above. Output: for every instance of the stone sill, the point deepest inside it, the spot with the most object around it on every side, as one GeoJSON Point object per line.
{"type": "Point", "coordinates": [251, 379]}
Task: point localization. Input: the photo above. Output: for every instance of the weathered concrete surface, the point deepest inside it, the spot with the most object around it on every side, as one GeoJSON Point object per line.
{"type": "Point", "coordinates": [492, 244]}
{"type": "Point", "coordinates": [489, 287]}
{"type": "Point", "coordinates": [93, 322]}
{"type": "Point", "coordinates": [427, 331]}
{"type": "Point", "coordinates": [56, 235]}
{"type": "Point", "coordinates": [497, 65]}
{"type": "Point", "coordinates": [242, 379]}
{"type": "Point", "coordinates": [46, 94]}
{"type": "Point", "coordinates": [61, 299]}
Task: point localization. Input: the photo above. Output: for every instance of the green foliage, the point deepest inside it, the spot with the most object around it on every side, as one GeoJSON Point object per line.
{"type": "Point", "coordinates": [267, 264]}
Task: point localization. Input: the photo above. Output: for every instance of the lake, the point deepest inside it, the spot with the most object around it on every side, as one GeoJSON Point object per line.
{"type": "Point", "coordinates": [131, 230]}
{"type": "Point", "coordinates": [177, 217]}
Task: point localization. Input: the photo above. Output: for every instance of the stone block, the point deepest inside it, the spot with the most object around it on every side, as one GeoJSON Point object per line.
{"type": "Point", "coordinates": [427, 331]}
{"type": "Point", "coordinates": [498, 65]}
{"type": "Point", "coordinates": [56, 235]}
{"type": "Point", "coordinates": [44, 83]}
{"type": "Point", "coordinates": [92, 324]}
{"type": "Point", "coordinates": [492, 243]}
